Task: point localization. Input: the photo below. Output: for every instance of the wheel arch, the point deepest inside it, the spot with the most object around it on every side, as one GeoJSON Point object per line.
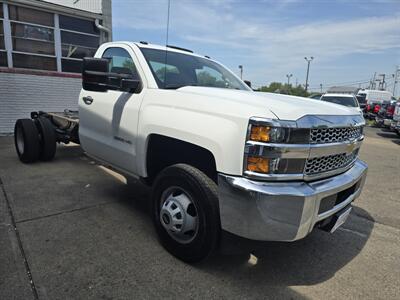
{"type": "Point", "coordinates": [163, 151]}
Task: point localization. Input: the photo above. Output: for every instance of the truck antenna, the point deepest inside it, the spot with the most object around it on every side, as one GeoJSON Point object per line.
{"type": "Point", "coordinates": [166, 45]}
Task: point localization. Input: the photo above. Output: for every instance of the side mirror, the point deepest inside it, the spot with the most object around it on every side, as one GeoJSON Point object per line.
{"type": "Point", "coordinates": [129, 85]}
{"type": "Point", "coordinates": [95, 74]}
{"type": "Point", "coordinates": [248, 83]}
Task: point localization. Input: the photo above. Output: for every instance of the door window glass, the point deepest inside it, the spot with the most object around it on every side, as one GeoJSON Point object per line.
{"type": "Point", "coordinates": [120, 62]}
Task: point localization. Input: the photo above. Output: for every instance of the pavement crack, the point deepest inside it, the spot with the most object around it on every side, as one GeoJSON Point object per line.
{"type": "Point", "coordinates": [21, 248]}
{"type": "Point", "coordinates": [65, 212]}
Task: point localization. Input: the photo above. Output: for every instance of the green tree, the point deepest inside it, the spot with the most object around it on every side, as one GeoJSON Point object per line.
{"type": "Point", "coordinates": [280, 88]}
{"type": "Point", "coordinates": [160, 73]}
{"type": "Point", "coordinates": [206, 79]}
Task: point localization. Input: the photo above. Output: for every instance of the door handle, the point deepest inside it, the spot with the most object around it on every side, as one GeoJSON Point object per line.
{"type": "Point", "coordinates": [88, 100]}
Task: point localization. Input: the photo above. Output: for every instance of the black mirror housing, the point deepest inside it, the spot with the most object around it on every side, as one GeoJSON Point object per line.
{"type": "Point", "coordinates": [95, 74]}
{"type": "Point", "coordinates": [129, 84]}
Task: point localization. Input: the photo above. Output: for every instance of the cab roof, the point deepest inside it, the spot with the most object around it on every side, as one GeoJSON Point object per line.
{"type": "Point", "coordinates": [169, 48]}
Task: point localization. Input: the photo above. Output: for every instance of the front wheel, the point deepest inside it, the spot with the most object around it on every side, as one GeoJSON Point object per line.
{"type": "Point", "coordinates": [186, 213]}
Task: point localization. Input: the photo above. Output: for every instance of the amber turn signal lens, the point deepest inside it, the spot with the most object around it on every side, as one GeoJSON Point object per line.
{"type": "Point", "coordinates": [260, 133]}
{"type": "Point", "coordinates": [258, 164]}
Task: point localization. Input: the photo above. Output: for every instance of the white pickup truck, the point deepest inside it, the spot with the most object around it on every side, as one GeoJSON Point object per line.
{"type": "Point", "coordinates": [219, 156]}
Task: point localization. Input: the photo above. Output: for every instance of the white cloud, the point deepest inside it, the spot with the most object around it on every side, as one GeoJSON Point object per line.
{"type": "Point", "coordinates": [266, 43]}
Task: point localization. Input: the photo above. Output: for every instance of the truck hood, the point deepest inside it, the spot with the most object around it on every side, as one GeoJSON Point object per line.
{"type": "Point", "coordinates": [284, 107]}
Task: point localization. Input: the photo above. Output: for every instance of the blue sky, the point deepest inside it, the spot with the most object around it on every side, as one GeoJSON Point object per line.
{"type": "Point", "coordinates": [350, 39]}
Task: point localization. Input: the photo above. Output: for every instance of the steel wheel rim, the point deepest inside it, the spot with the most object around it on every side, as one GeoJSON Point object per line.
{"type": "Point", "coordinates": [179, 215]}
{"type": "Point", "coordinates": [20, 141]}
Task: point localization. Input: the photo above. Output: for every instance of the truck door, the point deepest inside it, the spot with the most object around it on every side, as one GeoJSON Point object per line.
{"type": "Point", "coordinates": [108, 120]}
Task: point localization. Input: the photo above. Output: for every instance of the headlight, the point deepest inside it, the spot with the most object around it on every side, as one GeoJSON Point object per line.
{"type": "Point", "coordinates": [267, 140]}
{"type": "Point", "coordinates": [276, 131]}
{"type": "Point", "coordinates": [260, 133]}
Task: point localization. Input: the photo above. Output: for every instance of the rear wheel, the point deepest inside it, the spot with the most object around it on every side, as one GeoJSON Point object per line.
{"type": "Point", "coordinates": [26, 138]}
{"type": "Point", "coordinates": [47, 139]}
{"type": "Point", "coordinates": [186, 213]}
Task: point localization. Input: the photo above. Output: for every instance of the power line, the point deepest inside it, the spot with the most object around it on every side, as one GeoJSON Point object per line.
{"type": "Point", "coordinates": [348, 83]}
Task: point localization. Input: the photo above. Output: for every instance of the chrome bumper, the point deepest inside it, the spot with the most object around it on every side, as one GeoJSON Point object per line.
{"type": "Point", "coordinates": [282, 211]}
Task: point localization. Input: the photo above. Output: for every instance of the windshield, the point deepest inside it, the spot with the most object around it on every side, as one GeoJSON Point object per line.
{"type": "Point", "coordinates": [346, 101]}
{"type": "Point", "coordinates": [362, 98]}
{"type": "Point", "coordinates": [173, 70]}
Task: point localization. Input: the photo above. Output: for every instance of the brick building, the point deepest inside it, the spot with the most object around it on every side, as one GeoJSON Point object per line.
{"type": "Point", "coordinates": [42, 44]}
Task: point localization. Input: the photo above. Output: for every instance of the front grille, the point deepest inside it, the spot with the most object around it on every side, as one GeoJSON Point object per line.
{"type": "Point", "coordinates": [334, 135]}
{"type": "Point", "coordinates": [327, 163]}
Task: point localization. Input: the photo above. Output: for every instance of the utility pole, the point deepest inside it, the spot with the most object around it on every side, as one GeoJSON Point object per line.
{"type": "Point", "coordinates": [382, 83]}
{"type": "Point", "coordinates": [288, 82]}
{"type": "Point", "coordinates": [379, 83]}
{"type": "Point", "coordinates": [372, 84]}
{"type": "Point", "coordinates": [308, 69]}
{"type": "Point", "coordinates": [241, 71]}
{"type": "Point", "coordinates": [395, 79]}
{"type": "Point", "coordinates": [320, 85]}
{"type": "Point", "coordinates": [288, 78]}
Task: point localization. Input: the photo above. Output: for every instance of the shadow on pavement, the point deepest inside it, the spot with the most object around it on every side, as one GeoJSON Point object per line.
{"type": "Point", "coordinates": [388, 134]}
{"type": "Point", "coordinates": [396, 141]}
{"type": "Point", "coordinates": [309, 261]}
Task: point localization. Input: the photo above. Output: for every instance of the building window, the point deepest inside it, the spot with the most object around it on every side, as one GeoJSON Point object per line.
{"type": "Point", "coordinates": [32, 34]}
{"type": "Point", "coordinates": [32, 39]}
{"type": "Point", "coordinates": [3, 58]}
{"type": "Point", "coordinates": [79, 38]}
{"type": "Point", "coordinates": [80, 25]}
{"type": "Point", "coordinates": [3, 53]}
{"type": "Point", "coordinates": [1, 35]}
{"type": "Point", "coordinates": [34, 62]}
{"type": "Point", "coordinates": [40, 39]}
{"type": "Point", "coordinates": [29, 15]}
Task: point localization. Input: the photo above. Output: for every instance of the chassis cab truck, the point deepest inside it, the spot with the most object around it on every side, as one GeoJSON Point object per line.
{"type": "Point", "coordinates": [218, 155]}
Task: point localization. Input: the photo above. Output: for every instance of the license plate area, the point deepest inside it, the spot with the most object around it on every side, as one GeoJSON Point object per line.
{"type": "Point", "coordinates": [340, 218]}
{"type": "Point", "coordinates": [332, 223]}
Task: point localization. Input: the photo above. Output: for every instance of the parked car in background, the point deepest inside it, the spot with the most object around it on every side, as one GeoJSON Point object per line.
{"type": "Point", "coordinates": [395, 124]}
{"type": "Point", "coordinates": [384, 116]}
{"type": "Point", "coordinates": [362, 101]}
{"type": "Point", "coordinates": [342, 99]}
{"type": "Point", "coordinates": [315, 96]}
{"type": "Point", "coordinates": [371, 110]}
{"type": "Point", "coordinates": [375, 96]}
{"type": "Point", "coordinates": [385, 113]}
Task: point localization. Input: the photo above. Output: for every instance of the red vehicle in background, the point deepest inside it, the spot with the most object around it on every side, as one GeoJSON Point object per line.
{"type": "Point", "coordinates": [384, 114]}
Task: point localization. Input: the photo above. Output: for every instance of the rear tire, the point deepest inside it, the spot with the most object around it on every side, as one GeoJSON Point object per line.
{"type": "Point", "coordinates": [26, 138]}
{"type": "Point", "coordinates": [47, 139]}
{"type": "Point", "coordinates": [183, 196]}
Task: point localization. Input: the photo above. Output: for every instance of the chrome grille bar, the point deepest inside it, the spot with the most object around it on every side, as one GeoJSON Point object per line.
{"type": "Point", "coordinates": [334, 135]}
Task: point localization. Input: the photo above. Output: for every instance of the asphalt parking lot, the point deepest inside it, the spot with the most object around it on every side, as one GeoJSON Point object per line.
{"type": "Point", "coordinates": [83, 233]}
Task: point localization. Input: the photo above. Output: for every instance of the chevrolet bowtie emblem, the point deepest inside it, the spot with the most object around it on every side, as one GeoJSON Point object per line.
{"type": "Point", "coordinates": [351, 146]}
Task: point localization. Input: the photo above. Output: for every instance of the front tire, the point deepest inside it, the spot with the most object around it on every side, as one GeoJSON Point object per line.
{"type": "Point", "coordinates": [186, 213]}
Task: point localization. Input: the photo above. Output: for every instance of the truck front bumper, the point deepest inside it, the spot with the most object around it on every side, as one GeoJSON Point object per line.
{"type": "Point", "coordinates": [285, 211]}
